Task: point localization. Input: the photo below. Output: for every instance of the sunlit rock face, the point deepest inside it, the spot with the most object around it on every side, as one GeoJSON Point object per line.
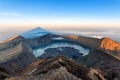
{"type": "Point", "coordinates": [109, 44]}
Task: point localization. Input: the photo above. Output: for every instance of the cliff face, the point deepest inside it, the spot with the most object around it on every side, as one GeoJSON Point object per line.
{"type": "Point", "coordinates": [109, 44]}
{"type": "Point", "coordinates": [15, 55]}
{"type": "Point", "coordinates": [86, 41]}
{"type": "Point", "coordinates": [106, 43]}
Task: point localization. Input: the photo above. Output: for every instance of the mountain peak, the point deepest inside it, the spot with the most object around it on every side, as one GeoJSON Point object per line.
{"type": "Point", "coordinates": [36, 32]}
{"type": "Point", "coordinates": [109, 44]}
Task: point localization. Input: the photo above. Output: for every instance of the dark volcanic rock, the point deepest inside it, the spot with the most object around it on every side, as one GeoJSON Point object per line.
{"type": "Point", "coordinates": [101, 59]}
{"type": "Point", "coordinates": [61, 68]}
{"type": "Point", "coordinates": [85, 41]}
{"type": "Point", "coordinates": [66, 51]}
{"type": "Point", "coordinates": [3, 73]}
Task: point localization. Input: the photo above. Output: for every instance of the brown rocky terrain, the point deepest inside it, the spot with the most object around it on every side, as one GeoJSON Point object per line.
{"type": "Point", "coordinates": [17, 61]}
{"type": "Point", "coordinates": [59, 68]}
{"type": "Point", "coordinates": [106, 43]}
{"type": "Point", "coordinates": [109, 44]}
{"type": "Point", "coordinates": [100, 59]}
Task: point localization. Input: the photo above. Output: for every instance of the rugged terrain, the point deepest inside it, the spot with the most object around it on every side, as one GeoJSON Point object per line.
{"type": "Point", "coordinates": [15, 54]}
{"type": "Point", "coordinates": [17, 61]}
{"type": "Point", "coordinates": [105, 43]}
{"type": "Point", "coordinates": [60, 68]}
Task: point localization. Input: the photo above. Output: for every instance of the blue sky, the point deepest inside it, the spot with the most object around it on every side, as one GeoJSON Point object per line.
{"type": "Point", "coordinates": [59, 12]}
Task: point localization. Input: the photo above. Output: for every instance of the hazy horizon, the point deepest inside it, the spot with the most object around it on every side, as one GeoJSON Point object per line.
{"type": "Point", "coordinates": [17, 16]}
{"type": "Point", "coordinates": [91, 32]}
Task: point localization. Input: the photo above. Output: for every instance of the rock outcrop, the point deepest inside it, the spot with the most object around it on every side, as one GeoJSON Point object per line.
{"type": "Point", "coordinates": [60, 68]}
{"type": "Point", "coordinates": [110, 44]}
{"type": "Point", "coordinates": [101, 59]}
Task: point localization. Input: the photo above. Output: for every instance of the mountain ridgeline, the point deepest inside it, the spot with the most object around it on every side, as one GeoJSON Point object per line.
{"type": "Point", "coordinates": [42, 55]}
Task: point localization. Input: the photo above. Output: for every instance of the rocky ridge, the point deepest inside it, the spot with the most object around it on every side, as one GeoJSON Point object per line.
{"type": "Point", "coordinates": [60, 68]}
{"type": "Point", "coordinates": [16, 57]}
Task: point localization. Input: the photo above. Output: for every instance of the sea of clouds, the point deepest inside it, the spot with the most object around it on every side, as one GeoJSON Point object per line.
{"type": "Point", "coordinates": [113, 33]}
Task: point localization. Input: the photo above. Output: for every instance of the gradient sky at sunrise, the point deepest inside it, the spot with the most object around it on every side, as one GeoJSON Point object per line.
{"type": "Point", "coordinates": [78, 13]}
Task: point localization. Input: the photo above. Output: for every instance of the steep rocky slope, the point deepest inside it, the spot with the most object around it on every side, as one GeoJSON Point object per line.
{"type": "Point", "coordinates": [86, 41]}
{"type": "Point", "coordinates": [15, 54]}
{"type": "Point", "coordinates": [60, 68]}
{"type": "Point", "coordinates": [42, 40]}
{"type": "Point", "coordinates": [109, 44]}
{"type": "Point", "coordinates": [106, 43]}
{"type": "Point", "coordinates": [101, 59]}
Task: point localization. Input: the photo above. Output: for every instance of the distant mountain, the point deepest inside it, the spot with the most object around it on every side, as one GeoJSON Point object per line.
{"type": "Point", "coordinates": [37, 32]}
